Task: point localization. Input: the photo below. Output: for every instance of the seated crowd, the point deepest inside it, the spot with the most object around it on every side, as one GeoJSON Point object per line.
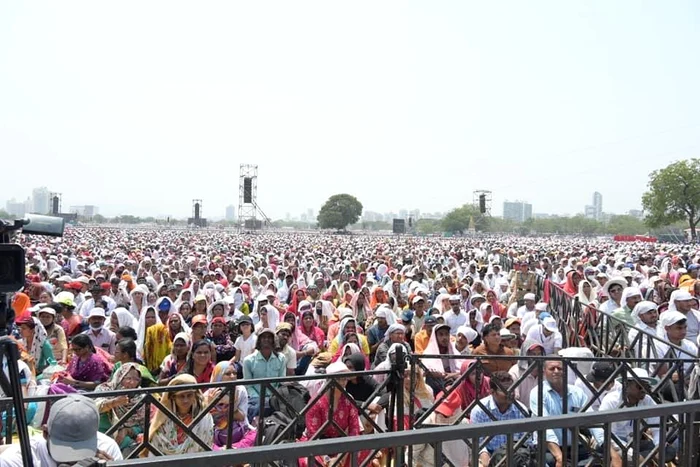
{"type": "Point", "coordinates": [95, 319]}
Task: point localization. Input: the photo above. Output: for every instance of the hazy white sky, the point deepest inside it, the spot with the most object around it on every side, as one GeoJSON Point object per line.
{"type": "Point", "coordinates": [139, 107]}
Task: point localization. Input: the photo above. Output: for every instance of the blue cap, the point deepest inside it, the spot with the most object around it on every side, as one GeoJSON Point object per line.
{"type": "Point", "coordinates": [164, 305]}
{"type": "Point", "coordinates": [544, 315]}
{"type": "Point", "coordinates": [407, 316]}
{"type": "Point", "coordinates": [693, 267]}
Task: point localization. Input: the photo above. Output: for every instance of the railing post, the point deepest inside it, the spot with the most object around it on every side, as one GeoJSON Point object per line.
{"type": "Point", "coordinates": [397, 374]}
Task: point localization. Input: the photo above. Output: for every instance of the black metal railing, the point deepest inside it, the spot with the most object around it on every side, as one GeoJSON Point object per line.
{"type": "Point", "coordinates": [683, 413]}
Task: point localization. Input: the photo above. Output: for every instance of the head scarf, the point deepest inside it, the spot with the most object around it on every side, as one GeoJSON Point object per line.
{"type": "Point", "coordinates": [168, 400]}
{"type": "Point", "coordinates": [125, 318]}
{"type": "Point", "coordinates": [435, 364]}
{"type": "Point", "coordinates": [141, 331]}
{"type": "Point", "coordinates": [38, 340]}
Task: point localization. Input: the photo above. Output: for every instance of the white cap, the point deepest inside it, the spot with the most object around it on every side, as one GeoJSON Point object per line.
{"type": "Point", "coordinates": [669, 318]}
{"type": "Point", "coordinates": [550, 324]}
{"type": "Point", "coordinates": [529, 296]}
{"type": "Point", "coordinates": [97, 312]}
{"type": "Point", "coordinates": [541, 306]}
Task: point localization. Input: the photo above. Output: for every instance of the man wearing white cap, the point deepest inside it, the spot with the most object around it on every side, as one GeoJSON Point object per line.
{"type": "Point", "coordinates": [99, 335]}
{"type": "Point", "coordinates": [646, 318]}
{"type": "Point", "coordinates": [547, 334]}
{"type": "Point", "coordinates": [634, 392]}
{"type": "Point", "coordinates": [674, 328]}
{"type": "Point", "coordinates": [455, 316]}
{"type": "Point", "coordinates": [70, 435]}
{"type": "Point", "coordinates": [528, 306]}
{"type": "Point", "coordinates": [683, 302]}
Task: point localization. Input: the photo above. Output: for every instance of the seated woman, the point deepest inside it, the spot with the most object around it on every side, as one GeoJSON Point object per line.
{"type": "Point", "coordinates": [175, 363]}
{"type": "Point", "coordinates": [86, 369]}
{"type": "Point", "coordinates": [125, 352]}
{"type": "Point", "coordinates": [348, 325]}
{"type": "Point", "coordinates": [127, 376]}
{"type": "Point", "coordinates": [199, 362]}
{"type": "Point", "coordinates": [470, 389]}
{"type": "Point", "coordinates": [55, 334]}
{"type": "Point", "coordinates": [242, 434]}
{"type": "Point", "coordinates": [344, 416]}
{"type": "Point", "coordinates": [121, 317]}
{"type": "Point", "coordinates": [166, 436]}
{"type": "Point", "coordinates": [35, 340]}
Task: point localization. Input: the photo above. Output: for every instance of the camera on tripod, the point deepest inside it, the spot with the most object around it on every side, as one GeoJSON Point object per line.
{"type": "Point", "coordinates": [12, 255]}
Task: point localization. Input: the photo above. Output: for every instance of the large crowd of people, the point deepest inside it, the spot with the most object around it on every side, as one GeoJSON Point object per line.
{"type": "Point", "coordinates": [108, 309]}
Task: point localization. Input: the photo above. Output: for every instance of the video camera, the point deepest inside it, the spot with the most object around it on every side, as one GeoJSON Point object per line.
{"type": "Point", "coordinates": [12, 255]}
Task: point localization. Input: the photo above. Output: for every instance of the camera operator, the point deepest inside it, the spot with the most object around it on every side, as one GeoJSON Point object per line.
{"type": "Point", "coordinates": [70, 437]}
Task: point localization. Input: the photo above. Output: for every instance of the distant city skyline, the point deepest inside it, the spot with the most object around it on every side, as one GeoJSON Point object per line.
{"type": "Point", "coordinates": [40, 200]}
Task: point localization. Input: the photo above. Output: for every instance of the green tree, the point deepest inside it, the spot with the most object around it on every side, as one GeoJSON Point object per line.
{"type": "Point", "coordinates": [674, 195]}
{"type": "Point", "coordinates": [339, 211]}
{"type": "Point", "coordinates": [99, 218]}
{"type": "Point", "coordinates": [458, 219]}
{"type": "Point", "coordinates": [626, 225]}
{"type": "Point", "coordinates": [4, 214]}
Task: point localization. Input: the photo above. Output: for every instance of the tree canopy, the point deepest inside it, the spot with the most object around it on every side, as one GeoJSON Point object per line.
{"type": "Point", "coordinates": [459, 219]}
{"type": "Point", "coordinates": [674, 195]}
{"type": "Point", "coordinates": [339, 211]}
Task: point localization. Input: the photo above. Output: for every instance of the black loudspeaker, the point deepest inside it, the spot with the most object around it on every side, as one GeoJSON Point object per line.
{"type": "Point", "coordinates": [247, 190]}
{"type": "Point", "coordinates": [54, 206]}
{"type": "Point", "coordinates": [196, 211]}
{"type": "Point", "coordinates": [410, 222]}
{"type": "Point", "coordinates": [482, 204]}
{"type": "Point", "coordinates": [399, 226]}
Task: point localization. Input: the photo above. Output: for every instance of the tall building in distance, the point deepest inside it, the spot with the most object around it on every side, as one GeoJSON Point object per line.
{"type": "Point", "coordinates": [87, 210]}
{"type": "Point", "coordinates": [16, 208]}
{"type": "Point", "coordinates": [230, 213]}
{"type": "Point", "coordinates": [41, 201]}
{"type": "Point", "coordinates": [518, 211]}
{"type": "Point", "coordinates": [595, 210]}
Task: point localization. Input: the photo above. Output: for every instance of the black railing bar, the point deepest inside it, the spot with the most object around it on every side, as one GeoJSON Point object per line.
{"type": "Point", "coordinates": [419, 437]}
{"type": "Point", "coordinates": [201, 386]}
{"type": "Point", "coordinates": [550, 357]}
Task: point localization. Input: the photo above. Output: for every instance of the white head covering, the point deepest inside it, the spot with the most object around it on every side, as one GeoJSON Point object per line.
{"type": "Point", "coordinates": [141, 331]}
{"type": "Point", "coordinates": [435, 364]}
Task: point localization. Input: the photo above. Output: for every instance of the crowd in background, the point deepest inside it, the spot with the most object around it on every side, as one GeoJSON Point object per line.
{"type": "Point", "coordinates": [106, 309]}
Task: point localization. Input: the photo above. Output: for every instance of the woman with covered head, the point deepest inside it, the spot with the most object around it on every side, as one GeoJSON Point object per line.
{"type": "Point", "coordinates": [240, 428]}
{"type": "Point", "coordinates": [530, 348]}
{"type": "Point", "coordinates": [175, 363]}
{"type": "Point", "coordinates": [128, 376]}
{"type": "Point", "coordinates": [167, 436]}
{"type": "Point", "coordinates": [586, 293]}
{"type": "Point", "coordinates": [138, 300]}
{"type": "Point", "coordinates": [348, 325]}
{"type": "Point", "coordinates": [35, 340]}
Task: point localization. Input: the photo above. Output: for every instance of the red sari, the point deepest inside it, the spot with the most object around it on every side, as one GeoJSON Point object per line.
{"type": "Point", "coordinates": [346, 417]}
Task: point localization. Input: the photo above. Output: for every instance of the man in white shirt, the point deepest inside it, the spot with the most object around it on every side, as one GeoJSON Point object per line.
{"type": "Point", "coordinates": [598, 376]}
{"type": "Point", "coordinates": [634, 393]}
{"type": "Point", "coordinates": [70, 436]}
{"type": "Point", "coordinates": [682, 301]}
{"type": "Point", "coordinates": [99, 335]}
{"type": "Point", "coordinates": [546, 334]}
{"type": "Point", "coordinates": [456, 316]}
{"type": "Point", "coordinates": [529, 305]}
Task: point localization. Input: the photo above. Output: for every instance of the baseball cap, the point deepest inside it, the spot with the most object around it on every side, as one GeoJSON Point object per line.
{"type": "Point", "coordinates": [97, 312]}
{"type": "Point", "coordinates": [283, 326]}
{"type": "Point", "coordinates": [417, 299]}
{"type": "Point", "coordinates": [506, 334]}
{"type": "Point", "coordinates": [529, 296]}
{"type": "Point", "coordinates": [72, 425]}
{"type": "Point", "coordinates": [681, 296]}
{"type": "Point", "coordinates": [218, 319]}
{"type": "Point", "coordinates": [550, 324]}
{"type": "Point", "coordinates": [600, 371]}
{"type": "Point", "coordinates": [199, 319]}
{"type": "Point", "coordinates": [430, 320]}
{"type": "Point", "coordinates": [407, 316]}
{"type": "Point", "coordinates": [448, 407]}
